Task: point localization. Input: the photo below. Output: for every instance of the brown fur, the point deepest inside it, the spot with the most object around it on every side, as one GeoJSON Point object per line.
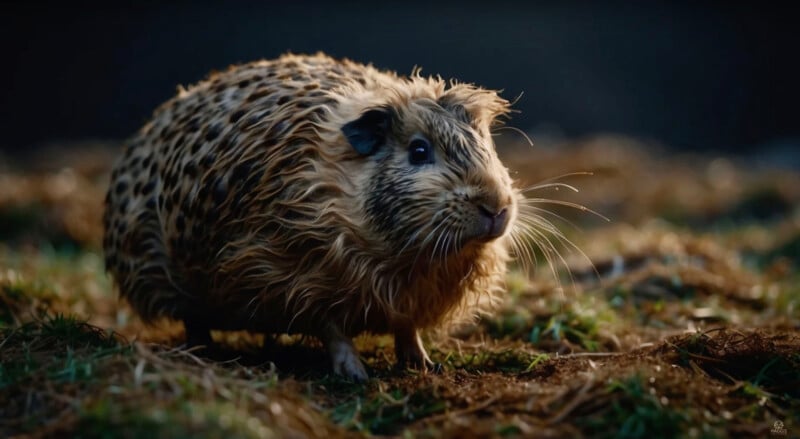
{"type": "Point", "coordinates": [241, 204]}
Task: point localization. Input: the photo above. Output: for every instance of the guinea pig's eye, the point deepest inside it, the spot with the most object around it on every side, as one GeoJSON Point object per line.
{"type": "Point", "coordinates": [420, 152]}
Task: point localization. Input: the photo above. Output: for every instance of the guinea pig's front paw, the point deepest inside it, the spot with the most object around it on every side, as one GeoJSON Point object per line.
{"type": "Point", "coordinates": [410, 352]}
{"type": "Point", "coordinates": [414, 359]}
{"type": "Point", "coordinates": [418, 362]}
{"type": "Point", "coordinates": [347, 364]}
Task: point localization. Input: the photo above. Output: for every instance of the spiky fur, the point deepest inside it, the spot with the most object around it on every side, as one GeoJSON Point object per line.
{"type": "Point", "coordinates": [242, 205]}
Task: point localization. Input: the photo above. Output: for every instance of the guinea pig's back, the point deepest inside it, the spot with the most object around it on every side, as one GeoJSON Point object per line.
{"type": "Point", "coordinates": [210, 163]}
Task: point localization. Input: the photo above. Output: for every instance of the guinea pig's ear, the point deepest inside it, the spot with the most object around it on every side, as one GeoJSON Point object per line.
{"type": "Point", "coordinates": [459, 112]}
{"type": "Point", "coordinates": [369, 131]}
{"type": "Point", "coordinates": [475, 106]}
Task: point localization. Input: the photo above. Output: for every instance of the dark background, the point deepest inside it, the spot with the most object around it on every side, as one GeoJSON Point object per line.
{"type": "Point", "coordinates": [698, 75]}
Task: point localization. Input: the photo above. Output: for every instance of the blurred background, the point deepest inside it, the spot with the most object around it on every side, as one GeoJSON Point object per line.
{"type": "Point", "coordinates": [709, 76]}
{"type": "Point", "coordinates": [678, 121]}
{"type": "Point", "coordinates": [684, 112]}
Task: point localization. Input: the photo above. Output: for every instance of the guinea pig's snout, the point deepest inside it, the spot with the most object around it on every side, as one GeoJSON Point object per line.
{"type": "Point", "coordinates": [492, 221]}
{"type": "Point", "coordinates": [488, 211]}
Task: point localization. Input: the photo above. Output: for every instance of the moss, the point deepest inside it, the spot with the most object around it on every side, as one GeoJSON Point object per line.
{"type": "Point", "coordinates": [387, 412]}
{"type": "Point", "coordinates": [598, 357]}
{"type": "Point", "coordinates": [634, 413]}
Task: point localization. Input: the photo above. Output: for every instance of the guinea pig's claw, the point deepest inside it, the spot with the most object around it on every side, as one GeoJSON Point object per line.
{"type": "Point", "coordinates": [346, 362]}
{"type": "Point", "coordinates": [424, 365]}
{"type": "Point", "coordinates": [411, 354]}
{"type": "Point", "coordinates": [353, 368]}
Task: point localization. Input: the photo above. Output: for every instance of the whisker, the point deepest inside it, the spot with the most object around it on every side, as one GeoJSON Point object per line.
{"type": "Point", "coordinates": [534, 230]}
{"type": "Point", "coordinates": [564, 203]}
{"type": "Point", "coordinates": [444, 234]}
{"type": "Point", "coordinates": [538, 222]}
{"type": "Point", "coordinates": [556, 185]}
{"type": "Point", "coordinates": [516, 99]}
{"type": "Point", "coordinates": [569, 174]}
{"type": "Point", "coordinates": [409, 241]}
{"type": "Point", "coordinates": [427, 239]}
{"type": "Point", "coordinates": [450, 240]}
{"type": "Point", "coordinates": [532, 257]}
{"type": "Point", "coordinates": [549, 250]}
{"type": "Point", "coordinates": [537, 210]}
{"type": "Point", "coordinates": [518, 131]}
{"type": "Point", "coordinates": [522, 251]}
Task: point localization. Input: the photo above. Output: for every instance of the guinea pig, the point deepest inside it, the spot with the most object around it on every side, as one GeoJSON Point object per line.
{"type": "Point", "coordinates": [315, 196]}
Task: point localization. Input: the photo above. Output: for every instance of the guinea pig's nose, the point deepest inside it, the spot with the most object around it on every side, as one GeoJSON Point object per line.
{"type": "Point", "coordinates": [496, 221]}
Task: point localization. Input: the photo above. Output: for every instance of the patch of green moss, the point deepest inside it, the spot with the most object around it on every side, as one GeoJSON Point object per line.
{"type": "Point", "coordinates": [178, 419]}
{"type": "Point", "coordinates": [387, 412]}
{"type": "Point", "coordinates": [635, 413]}
{"type": "Point", "coordinates": [58, 348]}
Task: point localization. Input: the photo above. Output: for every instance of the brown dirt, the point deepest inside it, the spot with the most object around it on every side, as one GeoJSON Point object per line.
{"type": "Point", "coordinates": [686, 324]}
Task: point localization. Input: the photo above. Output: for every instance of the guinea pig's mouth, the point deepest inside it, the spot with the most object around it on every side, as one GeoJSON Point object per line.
{"type": "Point", "coordinates": [486, 225]}
{"type": "Point", "coordinates": [482, 226]}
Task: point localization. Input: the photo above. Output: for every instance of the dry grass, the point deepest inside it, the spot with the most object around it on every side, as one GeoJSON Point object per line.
{"type": "Point", "coordinates": [688, 327]}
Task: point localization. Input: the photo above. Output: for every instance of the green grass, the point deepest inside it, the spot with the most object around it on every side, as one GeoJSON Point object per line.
{"type": "Point", "coordinates": [506, 360]}
{"type": "Point", "coordinates": [387, 412]}
{"type": "Point", "coordinates": [181, 419]}
{"type": "Point", "coordinates": [635, 413]}
{"type": "Point", "coordinates": [604, 357]}
{"type": "Point", "coordinates": [576, 323]}
{"type": "Point", "coordinates": [57, 348]}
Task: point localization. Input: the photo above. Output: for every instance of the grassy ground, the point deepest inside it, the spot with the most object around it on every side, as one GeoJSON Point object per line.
{"type": "Point", "coordinates": [689, 326]}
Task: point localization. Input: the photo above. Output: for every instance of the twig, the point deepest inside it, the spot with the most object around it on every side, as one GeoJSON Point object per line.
{"type": "Point", "coordinates": [573, 403]}
{"type": "Point", "coordinates": [591, 354]}
{"type": "Point", "coordinates": [464, 411]}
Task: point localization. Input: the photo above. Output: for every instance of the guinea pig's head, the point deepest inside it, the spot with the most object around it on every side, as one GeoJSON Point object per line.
{"type": "Point", "coordinates": [432, 177]}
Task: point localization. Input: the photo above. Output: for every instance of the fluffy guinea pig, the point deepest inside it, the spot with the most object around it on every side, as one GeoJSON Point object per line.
{"type": "Point", "coordinates": [315, 196]}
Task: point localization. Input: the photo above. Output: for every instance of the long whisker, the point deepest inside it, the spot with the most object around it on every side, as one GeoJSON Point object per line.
{"type": "Point", "coordinates": [519, 131]}
{"type": "Point", "coordinates": [409, 241]}
{"type": "Point", "coordinates": [414, 238]}
{"type": "Point", "coordinates": [431, 234]}
{"type": "Point", "coordinates": [423, 244]}
{"type": "Point", "coordinates": [538, 222]}
{"type": "Point", "coordinates": [436, 245]}
{"type": "Point", "coordinates": [540, 240]}
{"type": "Point", "coordinates": [516, 99]}
{"type": "Point", "coordinates": [531, 254]}
{"type": "Point", "coordinates": [427, 239]}
{"type": "Point", "coordinates": [446, 251]}
{"type": "Point", "coordinates": [565, 203]}
{"type": "Point", "coordinates": [534, 230]}
{"type": "Point", "coordinates": [555, 185]}
{"type": "Point", "coordinates": [551, 253]}
{"type": "Point", "coordinates": [535, 211]}
{"type": "Point", "coordinates": [522, 251]}
{"type": "Point", "coordinates": [441, 245]}
{"type": "Point", "coordinates": [569, 174]}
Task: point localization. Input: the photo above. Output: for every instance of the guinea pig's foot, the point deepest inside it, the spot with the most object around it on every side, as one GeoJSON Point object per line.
{"type": "Point", "coordinates": [347, 364]}
{"type": "Point", "coordinates": [410, 352]}
{"type": "Point", "coordinates": [344, 357]}
{"type": "Point", "coordinates": [419, 364]}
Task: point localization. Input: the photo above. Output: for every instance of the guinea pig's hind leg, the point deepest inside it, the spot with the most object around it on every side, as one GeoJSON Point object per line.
{"type": "Point", "coordinates": [343, 354]}
{"type": "Point", "coordinates": [409, 350]}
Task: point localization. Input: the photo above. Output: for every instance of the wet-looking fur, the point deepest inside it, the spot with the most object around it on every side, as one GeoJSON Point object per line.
{"type": "Point", "coordinates": [317, 196]}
